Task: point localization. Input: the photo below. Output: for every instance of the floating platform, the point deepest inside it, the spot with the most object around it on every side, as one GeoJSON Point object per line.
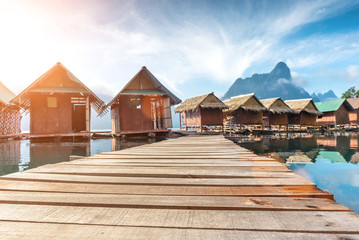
{"type": "Point", "coordinates": [150, 133]}
{"type": "Point", "coordinates": [194, 187]}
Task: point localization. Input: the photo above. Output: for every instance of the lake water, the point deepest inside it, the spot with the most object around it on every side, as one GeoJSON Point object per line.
{"type": "Point", "coordinates": [330, 161]}
{"type": "Point", "coordinates": [19, 155]}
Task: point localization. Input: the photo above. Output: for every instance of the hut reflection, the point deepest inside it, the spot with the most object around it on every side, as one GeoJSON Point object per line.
{"type": "Point", "coordinates": [122, 143]}
{"type": "Point", "coordinates": [303, 144]}
{"type": "Point", "coordinates": [345, 145]}
{"type": "Point", "coordinates": [10, 156]}
{"type": "Point", "coordinates": [56, 151]}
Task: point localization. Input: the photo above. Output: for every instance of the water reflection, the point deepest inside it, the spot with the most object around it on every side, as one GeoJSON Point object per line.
{"type": "Point", "coordinates": [330, 161]}
{"type": "Point", "coordinates": [19, 155]}
{"type": "Point", "coordinates": [10, 160]}
{"type": "Point", "coordinates": [337, 148]}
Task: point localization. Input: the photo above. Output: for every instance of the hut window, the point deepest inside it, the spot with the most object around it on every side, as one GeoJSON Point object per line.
{"type": "Point", "coordinates": [52, 102]}
{"type": "Point", "coordinates": [136, 103]}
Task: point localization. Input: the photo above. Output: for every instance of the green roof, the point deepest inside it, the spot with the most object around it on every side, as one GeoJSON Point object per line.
{"type": "Point", "coordinates": [330, 106]}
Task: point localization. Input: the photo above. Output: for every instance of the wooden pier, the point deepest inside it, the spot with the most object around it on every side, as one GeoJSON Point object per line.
{"type": "Point", "coordinates": [196, 187]}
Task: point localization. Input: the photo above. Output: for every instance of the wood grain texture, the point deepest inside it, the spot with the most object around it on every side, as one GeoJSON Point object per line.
{"type": "Point", "coordinates": [199, 187]}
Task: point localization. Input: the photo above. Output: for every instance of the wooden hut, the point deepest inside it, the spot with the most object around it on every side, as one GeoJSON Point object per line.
{"type": "Point", "coordinates": [354, 115]}
{"type": "Point", "coordinates": [58, 103]}
{"type": "Point", "coordinates": [201, 111]}
{"type": "Point", "coordinates": [335, 112]}
{"type": "Point", "coordinates": [306, 112]}
{"type": "Point", "coordinates": [244, 110]}
{"type": "Point", "coordinates": [276, 113]}
{"type": "Point", "coordinates": [142, 106]}
{"type": "Point", "coordinates": [10, 118]}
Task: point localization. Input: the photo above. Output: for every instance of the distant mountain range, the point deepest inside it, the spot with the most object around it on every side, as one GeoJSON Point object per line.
{"type": "Point", "coordinates": [319, 97]}
{"type": "Point", "coordinates": [277, 83]}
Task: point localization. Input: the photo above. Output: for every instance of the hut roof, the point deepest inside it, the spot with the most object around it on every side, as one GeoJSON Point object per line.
{"type": "Point", "coordinates": [205, 101]}
{"type": "Point", "coordinates": [135, 87]}
{"type": "Point", "coordinates": [303, 105]}
{"type": "Point", "coordinates": [276, 105]}
{"type": "Point", "coordinates": [247, 102]}
{"type": "Point", "coordinates": [58, 79]}
{"type": "Point", "coordinates": [5, 94]}
{"type": "Point", "coordinates": [333, 105]}
{"type": "Point", "coordinates": [354, 102]}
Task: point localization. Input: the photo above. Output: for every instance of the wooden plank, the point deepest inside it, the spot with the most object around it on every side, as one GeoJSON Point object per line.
{"type": "Point", "coordinates": [209, 167]}
{"type": "Point", "coordinates": [194, 219]}
{"type": "Point", "coordinates": [27, 176]}
{"type": "Point", "coordinates": [196, 187]}
{"type": "Point", "coordinates": [178, 158]}
{"type": "Point", "coordinates": [45, 231]}
{"type": "Point", "coordinates": [172, 202]}
{"type": "Point", "coordinates": [173, 153]}
{"type": "Point", "coordinates": [258, 158]}
{"type": "Point", "coordinates": [267, 191]}
{"type": "Point", "coordinates": [175, 157]}
{"type": "Point", "coordinates": [105, 162]}
{"type": "Point", "coordinates": [255, 172]}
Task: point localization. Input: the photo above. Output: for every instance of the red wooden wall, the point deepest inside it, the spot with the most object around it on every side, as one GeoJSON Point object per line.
{"type": "Point", "coordinates": [51, 120]}
{"type": "Point", "coordinates": [339, 117]}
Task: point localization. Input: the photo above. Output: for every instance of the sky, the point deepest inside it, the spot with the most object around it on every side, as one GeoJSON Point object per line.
{"type": "Point", "coordinates": [192, 47]}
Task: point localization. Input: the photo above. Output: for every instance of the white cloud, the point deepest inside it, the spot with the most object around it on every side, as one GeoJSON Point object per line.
{"type": "Point", "coordinates": [107, 42]}
{"type": "Point", "coordinates": [283, 81]}
{"type": "Point", "coordinates": [352, 73]}
{"type": "Point", "coordinates": [299, 79]}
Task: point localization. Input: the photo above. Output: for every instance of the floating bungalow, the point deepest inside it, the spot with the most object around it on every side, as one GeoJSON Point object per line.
{"type": "Point", "coordinates": [244, 110]}
{"type": "Point", "coordinates": [335, 112]}
{"type": "Point", "coordinates": [201, 112]}
{"type": "Point", "coordinates": [143, 106]}
{"type": "Point", "coordinates": [276, 113]}
{"type": "Point", "coordinates": [10, 118]}
{"type": "Point", "coordinates": [354, 115]}
{"type": "Point", "coordinates": [59, 104]}
{"type": "Point", "coordinates": [305, 114]}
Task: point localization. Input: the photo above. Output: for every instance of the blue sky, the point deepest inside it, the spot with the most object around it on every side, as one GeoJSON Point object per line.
{"type": "Point", "coordinates": [193, 47]}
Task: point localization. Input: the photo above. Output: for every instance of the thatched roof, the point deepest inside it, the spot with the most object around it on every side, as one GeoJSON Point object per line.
{"type": "Point", "coordinates": [276, 105]}
{"type": "Point", "coordinates": [135, 87]}
{"type": "Point", "coordinates": [5, 94]}
{"type": "Point", "coordinates": [305, 105]}
{"type": "Point", "coordinates": [204, 101]}
{"type": "Point", "coordinates": [57, 80]}
{"type": "Point", "coordinates": [247, 102]}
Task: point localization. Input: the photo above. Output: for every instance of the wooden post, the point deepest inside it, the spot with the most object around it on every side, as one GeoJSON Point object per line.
{"type": "Point", "coordinates": [88, 114]}
{"type": "Point", "coordinates": [88, 147]}
{"type": "Point", "coordinates": [180, 120]}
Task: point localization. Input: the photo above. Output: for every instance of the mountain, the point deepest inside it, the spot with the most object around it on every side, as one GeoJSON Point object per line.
{"type": "Point", "coordinates": [277, 83]}
{"type": "Point", "coordinates": [319, 97]}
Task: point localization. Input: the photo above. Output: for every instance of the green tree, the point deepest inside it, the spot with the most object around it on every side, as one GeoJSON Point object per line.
{"type": "Point", "coordinates": [351, 93]}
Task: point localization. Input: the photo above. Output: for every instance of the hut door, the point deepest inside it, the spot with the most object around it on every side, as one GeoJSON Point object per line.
{"type": "Point", "coordinates": [79, 118]}
{"type": "Point", "coordinates": [167, 118]}
{"type": "Point", "coordinates": [156, 113]}
{"type": "Point", "coordinates": [153, 114]}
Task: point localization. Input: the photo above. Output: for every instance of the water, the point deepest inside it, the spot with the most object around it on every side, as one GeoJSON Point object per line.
{"type": "Point", "coordinates": [329, 161]}
{"type": "Point", "coordinates": [19, 155]}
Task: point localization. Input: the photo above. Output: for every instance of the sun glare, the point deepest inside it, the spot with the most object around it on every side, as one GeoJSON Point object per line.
{"type": "Point", "coordinates": [27, 41]}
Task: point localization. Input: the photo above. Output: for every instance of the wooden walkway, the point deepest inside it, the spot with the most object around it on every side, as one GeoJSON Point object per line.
{"type": "Point", "coordinates": [199, 187]}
